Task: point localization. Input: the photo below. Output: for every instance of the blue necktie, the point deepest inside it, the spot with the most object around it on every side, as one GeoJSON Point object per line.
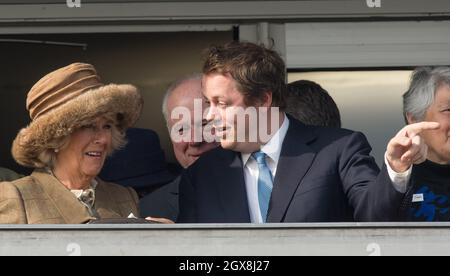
{"type": "Point", "coordinates": [265, 183]}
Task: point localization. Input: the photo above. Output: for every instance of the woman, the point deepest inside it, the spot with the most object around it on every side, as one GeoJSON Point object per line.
{"type": "Point", "coordinates": [428, 99]}
{"type": "Point", "coordinates": [76, 123]}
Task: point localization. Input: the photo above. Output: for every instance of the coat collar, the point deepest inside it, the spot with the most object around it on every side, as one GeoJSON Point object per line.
{"type": "Point", "coordinates": [71, 210]}
{"type": "Point", "coordinates": [231, 190]}
{"type": "Point", "coordinates": [295, 160]}
{"type": "Point", "coordinates": [272, 148]}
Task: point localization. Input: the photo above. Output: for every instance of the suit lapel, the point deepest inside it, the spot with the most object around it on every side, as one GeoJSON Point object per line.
{"type": "Point", "coordinates": [68, 206]}
{"type": "Point", "coordinates": [232, 191]}
{"type": "Point", "coordinates": [295, 160]}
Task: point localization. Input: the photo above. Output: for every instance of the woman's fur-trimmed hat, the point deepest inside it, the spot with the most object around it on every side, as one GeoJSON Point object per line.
{"type": "Point", "coordinates": [67, 99]}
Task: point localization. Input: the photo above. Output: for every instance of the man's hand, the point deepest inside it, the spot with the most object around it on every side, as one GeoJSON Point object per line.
{"type": "Point", "coordinates": [408, 147]}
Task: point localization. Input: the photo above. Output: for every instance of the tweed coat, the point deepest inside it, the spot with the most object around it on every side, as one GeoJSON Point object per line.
{"type": "Point", "coordinates": [41, 199]}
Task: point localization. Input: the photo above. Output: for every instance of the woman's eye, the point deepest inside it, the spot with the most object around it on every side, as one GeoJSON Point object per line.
{"type": "Point", "coordinates": [107, 127]}
{"type": "Point", "coordinates": [88, 126]}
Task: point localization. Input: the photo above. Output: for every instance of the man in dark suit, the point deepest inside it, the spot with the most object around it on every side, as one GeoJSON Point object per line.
{"type": "Point", "coordinates": [182, 93]}
{"type": "Point", "coordinates": [295, 173]}
{"type": "Point", "coordinates": [312, 105]}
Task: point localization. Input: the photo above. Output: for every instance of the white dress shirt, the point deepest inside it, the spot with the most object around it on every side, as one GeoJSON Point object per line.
{"type": "Point", "coordinates": [251, 172]}
{"type": "Point", "coordinates": [399, 180]}
{"type": "Point", "coordinates": [273, 150]}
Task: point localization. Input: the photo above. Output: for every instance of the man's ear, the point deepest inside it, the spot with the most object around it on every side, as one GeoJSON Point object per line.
{"type": "Point", "coordinates": [410, 119]}
{"type": "Point", "coordinates": [266, 101]}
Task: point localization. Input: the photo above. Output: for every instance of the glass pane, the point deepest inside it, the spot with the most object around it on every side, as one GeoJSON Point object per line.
{"type": "Point", "coordinates": [369, 101]}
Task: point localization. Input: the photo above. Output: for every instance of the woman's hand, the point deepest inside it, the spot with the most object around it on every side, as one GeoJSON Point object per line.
{"type": "Point", "coordinates": [160, 220]}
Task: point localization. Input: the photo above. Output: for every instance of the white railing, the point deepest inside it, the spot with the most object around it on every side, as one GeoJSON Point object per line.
{"type": "Point", "coordinates": [219, 10]}
{"type": "Point", "coordinates": [233, 239]}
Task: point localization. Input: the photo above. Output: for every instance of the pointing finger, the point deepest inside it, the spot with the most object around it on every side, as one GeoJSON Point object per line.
{"type": "Point", "coordinates": [415, 129]}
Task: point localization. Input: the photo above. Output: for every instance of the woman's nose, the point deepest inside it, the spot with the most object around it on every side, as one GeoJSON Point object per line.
{"type": "Point", "coordinates": [100, 137]}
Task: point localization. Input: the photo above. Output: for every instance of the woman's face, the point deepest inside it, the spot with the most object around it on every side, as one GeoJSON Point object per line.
{"type": "Point", "coordinates": [87, 149]}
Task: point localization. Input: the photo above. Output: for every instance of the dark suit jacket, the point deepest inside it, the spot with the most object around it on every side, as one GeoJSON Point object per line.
{"type": "Point", "coordinates": [161, 203]}
{"type": "Point", "coordinates": [323, 175]}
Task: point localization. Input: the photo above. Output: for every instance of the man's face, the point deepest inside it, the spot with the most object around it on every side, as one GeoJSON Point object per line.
{"type": "Point", "coordinates": [224, 102]}
{"type": "Point", "coordinates": [438, 140]}
{"type": "Point", "coordinates": [187, 152]}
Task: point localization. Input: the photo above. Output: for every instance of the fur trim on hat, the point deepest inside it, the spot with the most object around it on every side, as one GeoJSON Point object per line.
{"type": "Point", "coordinates": [124, 102]}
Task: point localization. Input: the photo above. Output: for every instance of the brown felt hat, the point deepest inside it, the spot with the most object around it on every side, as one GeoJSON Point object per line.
{"type": "Point", "coordinates": [66, 99]}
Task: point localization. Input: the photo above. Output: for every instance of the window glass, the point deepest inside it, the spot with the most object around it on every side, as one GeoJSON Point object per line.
{"type": "Point", "coordinates": [369, 101]}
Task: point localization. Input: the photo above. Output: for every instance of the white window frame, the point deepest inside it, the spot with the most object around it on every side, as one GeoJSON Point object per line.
{"type": "Point", "coordinates": [367, 44]}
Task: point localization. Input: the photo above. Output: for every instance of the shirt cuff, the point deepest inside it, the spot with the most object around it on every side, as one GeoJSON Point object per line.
{"type": "Point", "coordinates": [399, 180]}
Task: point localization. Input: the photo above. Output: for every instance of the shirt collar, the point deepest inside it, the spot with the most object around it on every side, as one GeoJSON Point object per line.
{"type": "Point", "coordinates": [273, 147]}
{"type": "Point", "coordinates": [77, 193]}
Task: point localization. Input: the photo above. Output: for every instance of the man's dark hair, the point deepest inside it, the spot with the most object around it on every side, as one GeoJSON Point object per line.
{"type": "Point", "coordinates": [255, 69]}
{"type": "Point", "coordinates": [309, 103]}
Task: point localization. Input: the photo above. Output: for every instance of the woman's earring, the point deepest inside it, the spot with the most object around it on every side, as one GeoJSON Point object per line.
{"type": "Point", "coordinates": [56, 150]}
